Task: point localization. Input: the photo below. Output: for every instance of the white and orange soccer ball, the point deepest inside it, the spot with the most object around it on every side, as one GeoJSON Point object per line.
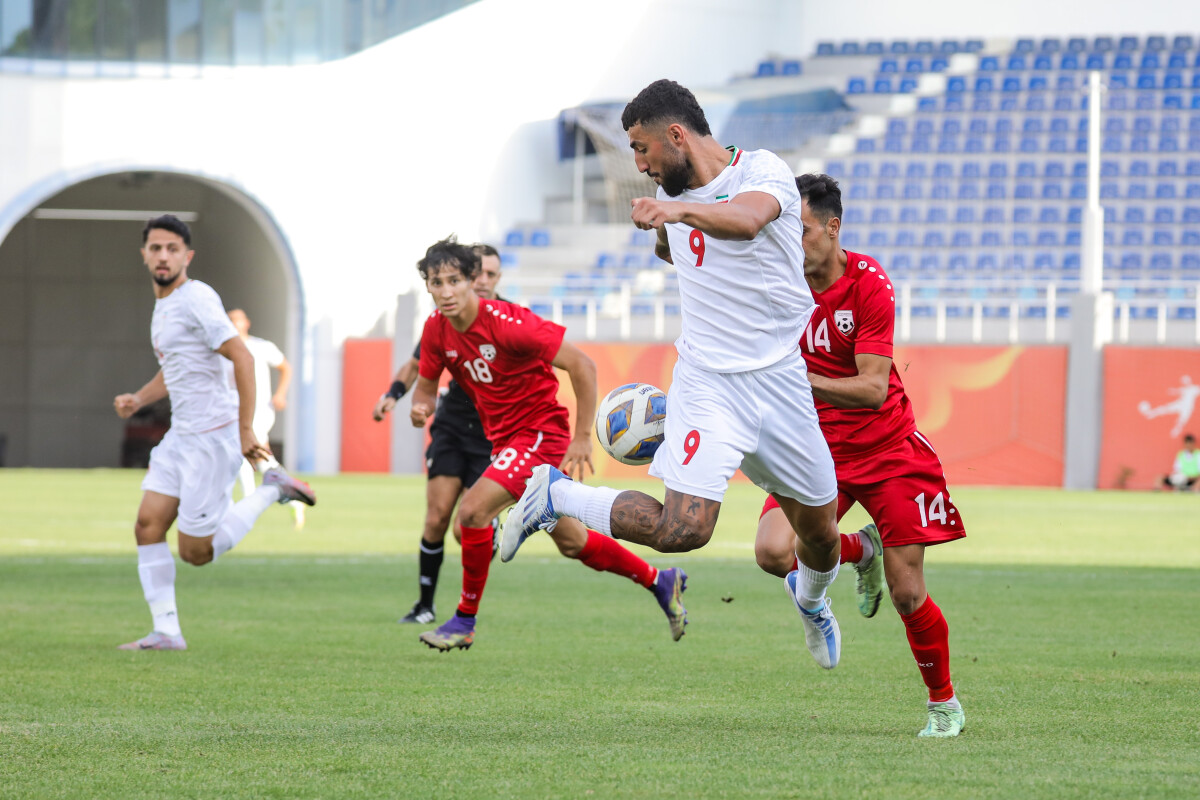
{"type": "Point", "coordinates": [630, 421]}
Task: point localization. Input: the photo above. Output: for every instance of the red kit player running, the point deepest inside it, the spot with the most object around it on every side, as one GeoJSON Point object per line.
{"type": "Point", "coordinates": [503, 355]}
{"type": "Point", "coordinates": [882, 460]}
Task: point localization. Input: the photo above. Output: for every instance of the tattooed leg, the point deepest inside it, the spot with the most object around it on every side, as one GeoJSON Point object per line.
{"type": "Point", "coordinates": [683, 523]}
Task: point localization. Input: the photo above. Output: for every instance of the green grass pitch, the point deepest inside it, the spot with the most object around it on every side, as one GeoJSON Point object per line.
{"type": "Point", "coordinates": [1074, 623]}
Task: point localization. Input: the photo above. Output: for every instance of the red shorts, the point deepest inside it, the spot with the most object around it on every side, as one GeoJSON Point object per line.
{"type": "Point", "coordinates": [513, 461]}
{"type": "Point", "coordinates": [903, 489]}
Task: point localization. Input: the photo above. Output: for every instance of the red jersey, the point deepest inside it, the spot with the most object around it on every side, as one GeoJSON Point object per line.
{"type": "Point", "coordinates": [857, 314]}
{"type": "Point", "coordinates": [503, 361]}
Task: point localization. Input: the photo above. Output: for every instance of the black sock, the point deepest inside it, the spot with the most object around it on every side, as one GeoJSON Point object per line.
{"type": "Point", "coordinates": [430, 564]}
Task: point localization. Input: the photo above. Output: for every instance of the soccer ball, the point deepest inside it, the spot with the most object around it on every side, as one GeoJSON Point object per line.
{"type": "Point", "coordinates": [630, 421]}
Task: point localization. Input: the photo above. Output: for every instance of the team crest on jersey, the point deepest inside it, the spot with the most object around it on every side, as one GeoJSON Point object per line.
{"type": "Point", "coordinates": [488, 352]}
{"type": "Point", "coordinates": [844, 319]}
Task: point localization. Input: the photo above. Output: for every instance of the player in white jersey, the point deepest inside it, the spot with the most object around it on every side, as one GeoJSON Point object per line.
{"type": "Point", "coordinates": [193, 469]}
{"type": "Point", "coordinates": [267, 356]}
{"type": "Point", "coordinates": [729, 220]}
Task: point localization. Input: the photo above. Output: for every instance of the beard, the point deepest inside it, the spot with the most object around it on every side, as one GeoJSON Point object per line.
{"type": "Point", "coordinates": [165, 280]}
{"type": "Point", "coordinates": [676, 175]}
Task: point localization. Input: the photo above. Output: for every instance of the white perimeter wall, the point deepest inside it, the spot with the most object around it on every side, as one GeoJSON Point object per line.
{"type": "Point", "coordinates": [366, 161]}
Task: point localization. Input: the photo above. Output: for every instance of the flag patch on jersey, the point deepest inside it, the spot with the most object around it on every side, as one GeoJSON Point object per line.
{"type": "Point", "coordinates": [488, 351]}
{"type": "Point", "coordinates": [844, 319]}
{"type": "Point", "coordinates": [722, 198]}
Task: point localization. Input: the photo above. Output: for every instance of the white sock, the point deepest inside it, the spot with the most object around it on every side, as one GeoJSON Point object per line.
{"type": "Point", "coordinates": [265, 464]}
{"type": "Point", "coordinates": [811, 586]}
{"type": "Point", "coordinates": [868, 549]}
{"type": "Point", "coordinates": [591, 505]}
{"type": "Point", "coordinates": [246, 478]}
{"type": "Point", "coordinates": [240, 517]}
{"type": "Point", "coordinates": [156, 570]}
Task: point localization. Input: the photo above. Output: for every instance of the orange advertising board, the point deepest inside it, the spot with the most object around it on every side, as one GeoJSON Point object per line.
{"type": "Point", "coordinates": [1150, 402]}
{"type": "Point", "coordinates": [366, 444]}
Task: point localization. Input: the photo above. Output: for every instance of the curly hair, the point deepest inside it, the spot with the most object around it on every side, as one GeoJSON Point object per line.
{"type": "Point", "coordinates": [665, 101]}
{"type": "Point", "coordinates": [448, 251]}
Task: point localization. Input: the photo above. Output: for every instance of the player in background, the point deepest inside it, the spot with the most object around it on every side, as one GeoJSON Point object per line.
{"type": "Point", "coordinates": [503, 355]}
{"type": "Point", "coordinates": [267, 356]}
{"type": "Point", "coordinates": [729, 220]}
{"type": "Point", "coordinates": [192, 470]}
{"type": "Point", "coordinates": [883, 461]}
{"type": "Point", "coordinates": [457, 455]}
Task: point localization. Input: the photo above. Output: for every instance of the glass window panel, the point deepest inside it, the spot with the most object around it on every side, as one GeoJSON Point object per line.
{"type": "Point", "coordinates": [150, 25]}
{"type": "Point", "coordinates": [116, 30]}
{"type": "Point", "coordinates": [16, 27]}
{"type": "Point", "coordinates": [83, 20]}
{"type": "Point", "coordinates": [50, 29]}
{"type": "Point", "coordinates": [183, 31]}
{"type": "Point", "coordinates": [352, 33]}
{"type": "Point", "coordinates": [217, 39]}
{"type": "Point", "coordinates": [249, 33]}
{"type": "Point", "coordinates": [306, 31]}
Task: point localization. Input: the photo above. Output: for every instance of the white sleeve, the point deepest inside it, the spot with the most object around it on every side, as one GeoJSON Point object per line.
{"type": "Point", "coordinates": [767, 172]}
{"type": "Point", "coordinates": [272, 354]}
{"type": "Point", "coordinates": [210, 316]}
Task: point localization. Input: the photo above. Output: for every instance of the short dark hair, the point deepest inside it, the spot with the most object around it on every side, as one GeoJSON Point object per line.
{"type": "Point", "coordinates": [486, 250]}
{"type": "Point", "coordinates": [823, 194]}
{"type": "Point", "coordinates": [449, 251]}
{"type": "Point", "coordinates": [665, 101]}
{"type": "Point", "coordinates": [168, 222]}
{"type": "Point", "coordinates": [1187, 437]}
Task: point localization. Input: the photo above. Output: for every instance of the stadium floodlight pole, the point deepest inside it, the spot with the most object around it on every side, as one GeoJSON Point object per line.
{"type": "Point", "coordinates": [1091, 326]}
{"type": "Point", "coordinates": [1092, 264]}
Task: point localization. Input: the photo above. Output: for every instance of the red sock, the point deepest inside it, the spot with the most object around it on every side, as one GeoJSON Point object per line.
{"type": "Point", "coordinates": [929, 638]}
{"type": "Point", "coordinates": [605, 554]}
{"type": "Point", "coordinates": [852, 549]}
{"type": "Point", "coordinates": [476, 558]}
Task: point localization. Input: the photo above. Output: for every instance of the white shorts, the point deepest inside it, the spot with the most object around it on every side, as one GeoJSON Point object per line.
{"type": "Point", "coordinates": [763, 421]}
{"type": "Point", "coordinates": [264, 420]}
{"type": "Point", "coordinates": [199, 469]}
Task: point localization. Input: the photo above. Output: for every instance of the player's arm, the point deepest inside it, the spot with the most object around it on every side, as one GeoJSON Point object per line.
{"type": "Point", "coordinates": [867, 389]}
{"type": "Point", "coordinates": [154, 390]}
{"type": "Point", "coordinates": [235, 350]}
{"type": "Point", "coordinates": [403, 379]}
{"type": "Point", "coordinates": [279, 399]}
{"type": "Point", "coordinates": [424, 401]}
{"type": "Point", "coordinates": [582, 372]}
{"type": "Point", "coordinates": [662, 248]}
{"type": "Point", "coordinates": [740, 219]}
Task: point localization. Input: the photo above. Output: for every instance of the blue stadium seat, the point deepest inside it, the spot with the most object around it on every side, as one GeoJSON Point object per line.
{"type": "Point", "coordinates": [908, 85]}
{"type": "Point", "coordinates": [1147, 80]}
{"type": "Point", "coordinates": [539, 237]}
{"type": "Point", "coordinates": [1026, 169]}
{"type": "Point", "coordinates": [856, 86]}
{"type": "Point", "coordinates": [851, 239]}
{"type": "Point", "coordinates": [1012, 83]}
{"type": "Point", "coordinates": [881, 215]}
{"type": "Point", "coordinates": [916, 170]}
{"type": "Point", "coordinates": [1078, 190]}
{"type": "Point", "coordinates": [1096, 61]}
{"type": "Point", "coordinates": [1139, 168]}
{"type": "Point", "coordinates": [906, 237]}
{"type": "Point", "coordinates": [1074, 215]}
{"type": "Point", "coordinates": [1173, 101]}
{"type": "Point", "coordinates": [1189, 238]}
{"type": "Point", "coordinates": [877, 239]}
{"type": "Point", "coordinates": [1173, 80]}
{"type": "Point", "coordinates": [1118, 80]}
{"type": "Point", "coordinates": [889, 169]}
{"type": "Point", "coordinates": [850, 49]}
{"type": "Point", "coordinates": [825, 48]}
{"type": "Point", "coordinates": [1133, 238]}
{"type": "Point", "coordinates": [1156, 43]}
{"type": "Point", "coordinates": [1164, 190]}
{"type": "Point", "coordinates": [941, 191]}
{"type": "Point", "coordinates": [885, 191]}
{"type": "Point", "coordinates": [766, 69]}
{"type": "Point", "coordinates": [1128, 43]}
{"type": "Point", "coordinates": [835, 169]}
{"type": "Point", "coordinates": [990, 239]}
{"type": "Point", "coordinates": [968, 190]}
{"type": "Point", "coordinates": [923, 46]}
{"type": "Point", "coordinates": [996, 191]}
{"type": "Point", "coordinates": [1177, 61]}
{"type": "Point", "coordinates": [514, 238]}
{"type": "Point", "coordinates": [934, 240]}
{"type": "Point", "coordinates": [858, 191]}
{"type": "Point", "coordinates": [874, 48]}
{"type": "Point", "coordinates": [993, 215]}
{"type": "Point", "coordinates": [898, 47]}
{"type": "Point", "coordinates": [860, 169]}
{"type": "Point", "coordinates": [973, 45]}
{"type": "Point", "coordinates": [854, 216]}
{"type": "Point", "coordinates": [956, 83]}
{"type": "Point", "coordinates": [999, 169]}
{"type": "Point", "coordinates": [989, 64]}
{"type": "Point", "coordinates": [1102, 44]}
{"type": "Point", "coordinates": [911, 215]}
{"type": "Point", "coordinates": [901, 262]}
{"type": "Point", "coordinates": [935, 215]}
{"type": "Point", "coordinates": [791, 66]}
{"type": "Point", "coordinates": [1168, 143]}
{"type": "Point", "coordinates": [1022, 215]}
{"type": "Point", "coordinates": [1181, 42]}
{"type": "Point", "coordinates": [1049, 215]}
{"type": "Point", "coordinates": [1072, 238]}
{"type": "Point", "coordinates": [1047, 238]}
{"type": "Point", "coordinates": [864, 146]}
{"type": "Point", "coordinates": [1192, 190]}
{"type": "Point", "coordinates": [1162, 237]}
{"type": "Point", "coordinates": [1069, 61]}
{"type": "Point", "coordinates": [882, 85]}
{"type": "Point", "coordinates": [980, 102]}
{"type": "Point", "coordinates": [1038, 83]}
{"type": "Point", "coordinates": [964, 215]}
{"type": "Point", "coordinates": [983, 83]}
{"type": "Point", "coordinates": [1191, 215]}
{"type": "Point", "coordinates": [1023, 191]}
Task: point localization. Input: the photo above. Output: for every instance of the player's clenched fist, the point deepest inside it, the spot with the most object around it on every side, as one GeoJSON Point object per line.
{"type": "Point", "coordinates": [649, 213]}
{"type": "Point", "coordinates": [126, 405]}
{"type": "Point", "coordinates": [419, 414]}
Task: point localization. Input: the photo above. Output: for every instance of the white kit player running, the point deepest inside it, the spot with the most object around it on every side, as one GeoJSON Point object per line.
{"type": "Point", "coordinates": [267, 356]}
{"type": "Point", "coordinates": [192, 470]}
{"type": "Point", "coordinates": [729, 220]}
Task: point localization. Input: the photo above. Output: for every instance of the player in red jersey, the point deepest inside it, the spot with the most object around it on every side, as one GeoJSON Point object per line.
{"type": "Point", "coordinates": [882, 460]}
{"type": "Point", "coordinates": [504, 356]}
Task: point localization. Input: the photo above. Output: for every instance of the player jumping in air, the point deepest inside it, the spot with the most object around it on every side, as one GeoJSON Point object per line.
{"type": "Point", "coordinates": [729, 220]}
{"type": "Point", "coordinates": [503, 355]}
{"type": "Point", "coordinates": [883, 461]}
{"type": "Point", "coordinates": [193, 469]}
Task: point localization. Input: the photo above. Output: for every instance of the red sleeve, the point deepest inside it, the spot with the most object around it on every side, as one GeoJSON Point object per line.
{"type": "Point", "coordinates": [876, 314]}
{"type": "Point", "coordinates": [430, 346]}
{"type": "Point", "coordinates": [539, 337]}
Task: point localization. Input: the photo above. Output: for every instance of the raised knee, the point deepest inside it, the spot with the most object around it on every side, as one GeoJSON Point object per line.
{"type": "Point", "coordinates": [905, 599]}
{"type": "Point", "coordinates": [196, 558]}
{"type": "Point", "coordinates": [774, 562]}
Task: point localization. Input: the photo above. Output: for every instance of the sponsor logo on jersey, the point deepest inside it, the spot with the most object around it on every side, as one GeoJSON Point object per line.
{"type": "Point", "coordinates": [844, 319]}
{"type": "Point", "coordinates": [488, 351]}
{"type": "Point", "coordinates": [451, 354]}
